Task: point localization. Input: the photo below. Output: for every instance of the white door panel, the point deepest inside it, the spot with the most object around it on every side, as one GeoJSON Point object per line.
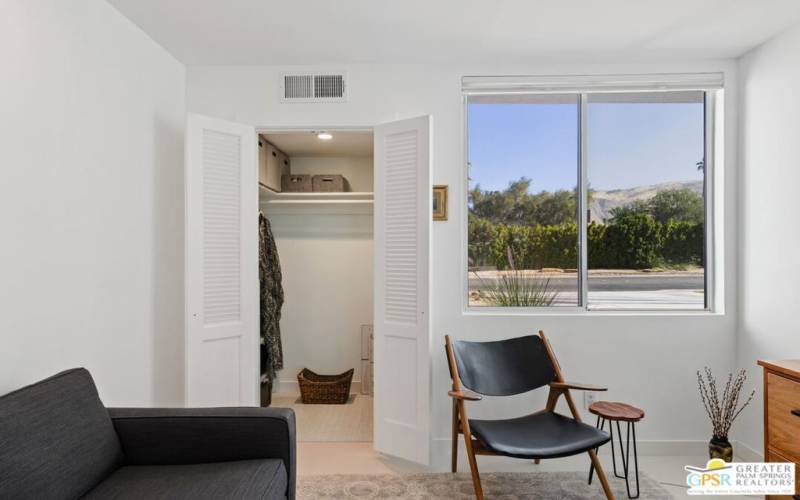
{"type": "Point", "coordinates": [221, 263]}
{"type": "Point", "coordinates": [403, 203]}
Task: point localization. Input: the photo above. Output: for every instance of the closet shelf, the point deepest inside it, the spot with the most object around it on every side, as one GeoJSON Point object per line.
{"type": "Point", "coordinates": [315, 203]}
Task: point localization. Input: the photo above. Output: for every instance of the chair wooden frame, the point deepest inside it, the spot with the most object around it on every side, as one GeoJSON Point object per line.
{"type": "Point", "coordinates": [474, 447]}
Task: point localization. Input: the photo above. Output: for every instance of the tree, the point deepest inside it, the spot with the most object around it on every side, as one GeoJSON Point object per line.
{"type": "Point", "coordinates": [682, 205]}
{"type": "Point", "coordinates": [554, 209]}
{"type": "Point", "coordinates": [634, 208]}
{"type": "Point", "coordinates": [516, 205]}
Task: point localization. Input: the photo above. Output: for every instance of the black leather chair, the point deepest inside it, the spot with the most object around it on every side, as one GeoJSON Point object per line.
{"type": "Point", "coordinates": [506, 368]}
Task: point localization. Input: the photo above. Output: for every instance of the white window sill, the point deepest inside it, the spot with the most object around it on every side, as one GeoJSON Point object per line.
{"type": "Point", "coordinates": [580, 312]}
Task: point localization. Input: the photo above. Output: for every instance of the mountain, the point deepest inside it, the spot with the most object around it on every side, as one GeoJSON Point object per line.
{"type": "Point", "coordinates": [603, 201]}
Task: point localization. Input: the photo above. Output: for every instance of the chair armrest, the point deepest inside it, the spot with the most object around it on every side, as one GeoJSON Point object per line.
{"type": "Point", "coordinates": [154, 436]}
{"type": "Point", "coordinates": [465, 395]}
{"type": "Point", "coordinates": [577, 386]}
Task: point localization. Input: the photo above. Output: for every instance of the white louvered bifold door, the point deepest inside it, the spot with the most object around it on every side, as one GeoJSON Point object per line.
{"type": "Point", "coordinates": [221, 264]}
{"type": "Point", "coordinates": [403, 204]}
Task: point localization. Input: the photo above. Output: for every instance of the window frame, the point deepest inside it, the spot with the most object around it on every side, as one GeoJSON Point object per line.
{"type": "Point", "coordinates": [711, 84]}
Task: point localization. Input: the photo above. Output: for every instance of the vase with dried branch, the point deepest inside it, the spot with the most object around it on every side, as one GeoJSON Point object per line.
{"type": "Point", "coordinates": [722, 409]}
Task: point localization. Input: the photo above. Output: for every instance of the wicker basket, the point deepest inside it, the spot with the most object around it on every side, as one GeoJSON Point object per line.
{"type": "Point", "coordinates": [324, 389]}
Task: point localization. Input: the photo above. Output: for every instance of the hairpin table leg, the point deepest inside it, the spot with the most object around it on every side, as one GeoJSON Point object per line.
{"type": "Point", "coordinates": [624, 450]}
{"type": "Point", "coordinates": [627, 461]}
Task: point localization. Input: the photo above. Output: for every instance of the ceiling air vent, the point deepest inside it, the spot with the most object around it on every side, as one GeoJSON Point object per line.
{"type": "Point", "coordinates": [298, 87]}
{"type": "Point", "coordinates": [310, 87]}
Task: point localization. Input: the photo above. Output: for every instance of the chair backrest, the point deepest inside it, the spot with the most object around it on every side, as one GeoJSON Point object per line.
{"type": "Point", "coordinates": [56, 439]}
{"type": "Point", "coordinates": [503, 367]}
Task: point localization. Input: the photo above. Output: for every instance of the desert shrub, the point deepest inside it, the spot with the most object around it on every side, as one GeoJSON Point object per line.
{"type": "Point", "coordinates": [517, 288]}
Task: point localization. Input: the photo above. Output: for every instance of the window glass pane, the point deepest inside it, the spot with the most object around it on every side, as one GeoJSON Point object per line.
{"type": "Point", "coordinates": [646, 173]}
{"type": "Point", "coordinates": [523, 241]}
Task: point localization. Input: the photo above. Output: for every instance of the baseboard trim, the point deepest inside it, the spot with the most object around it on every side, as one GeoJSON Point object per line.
{"type": "Point", "coordinates": [744, 453]}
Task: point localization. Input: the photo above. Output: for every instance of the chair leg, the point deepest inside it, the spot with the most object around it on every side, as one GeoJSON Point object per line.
{"type": "Point", "coordinates": [600, 425]}
{"type": "Point", "coordinates": [454, 451]}
{"type": "Point", "coordinates": [473, 464]}
{"type": "Point", "coordinates": [601, 475]}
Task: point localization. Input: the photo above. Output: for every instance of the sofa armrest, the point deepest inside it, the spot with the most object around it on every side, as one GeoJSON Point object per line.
{"type": "Point", "coordinates": [200, 435]}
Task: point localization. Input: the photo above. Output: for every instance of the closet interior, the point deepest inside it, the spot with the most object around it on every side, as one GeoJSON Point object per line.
{"type": "Point", "coordinates": [316, 195]}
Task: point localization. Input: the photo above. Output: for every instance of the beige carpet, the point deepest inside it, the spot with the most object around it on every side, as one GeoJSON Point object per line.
{"type": "Point", "coordinates": [445, 486]}
{"type": "Point", "coordinates": [331, 423]}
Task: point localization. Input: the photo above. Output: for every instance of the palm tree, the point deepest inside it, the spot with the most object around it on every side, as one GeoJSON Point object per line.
{"type": "Point", "coordinates": [701, 167]}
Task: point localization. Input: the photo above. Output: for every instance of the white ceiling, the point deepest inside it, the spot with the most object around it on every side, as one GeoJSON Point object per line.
{"type": "Point", "coordinates": [305, 32]}
{"type": "Point", "coordinates": [306, 144]}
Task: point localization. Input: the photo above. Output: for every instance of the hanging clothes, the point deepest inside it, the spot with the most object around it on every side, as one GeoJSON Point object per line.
{"type": "Point", "coordinates": [269, 273]}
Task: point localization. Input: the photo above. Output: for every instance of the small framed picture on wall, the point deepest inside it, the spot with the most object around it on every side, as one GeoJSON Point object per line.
{"type": "Point", "coordinates": [440, 202]}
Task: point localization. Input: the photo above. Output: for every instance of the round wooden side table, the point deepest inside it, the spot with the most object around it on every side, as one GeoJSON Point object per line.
{"type": "Point", "coordinates": [611, 412]}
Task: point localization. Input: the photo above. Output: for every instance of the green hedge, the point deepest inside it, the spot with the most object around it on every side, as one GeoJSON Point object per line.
{"type": "Point", "coordinates": [632, 241]}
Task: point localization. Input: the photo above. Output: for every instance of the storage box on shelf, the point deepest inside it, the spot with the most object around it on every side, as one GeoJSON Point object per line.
{"type": "Point", "coordinates": [328, 184]}
{"type": "Point", "coordinates": [273, 164]}
{"type": "Point", "coordinates": [300, 183]}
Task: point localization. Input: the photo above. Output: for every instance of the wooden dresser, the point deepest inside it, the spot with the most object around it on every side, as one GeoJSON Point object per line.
{"type": "Point", "coordinates": [782, 414]}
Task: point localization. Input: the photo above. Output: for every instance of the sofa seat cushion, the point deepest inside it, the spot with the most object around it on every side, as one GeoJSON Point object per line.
{"type": "Point", "coordinates": [246, 479]}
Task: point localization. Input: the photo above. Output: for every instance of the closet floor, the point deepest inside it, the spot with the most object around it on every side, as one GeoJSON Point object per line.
{"type": "Point", "coordinates": [350, 422]}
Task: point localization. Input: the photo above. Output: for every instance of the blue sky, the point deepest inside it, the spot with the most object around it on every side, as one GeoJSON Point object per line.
{"type": "Point", "coordinates": [628, 144]}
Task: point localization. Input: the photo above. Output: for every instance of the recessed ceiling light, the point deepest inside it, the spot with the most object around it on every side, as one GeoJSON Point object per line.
{"type": "Point", "coordinates": [325, 136]}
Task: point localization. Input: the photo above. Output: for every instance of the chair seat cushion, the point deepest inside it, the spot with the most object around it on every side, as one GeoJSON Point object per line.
{"type": "Point", "coordinates": [246, 479]}
{"type": "Point", "coordinates": [540, 435]}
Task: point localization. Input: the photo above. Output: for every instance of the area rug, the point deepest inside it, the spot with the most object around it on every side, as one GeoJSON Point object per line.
{"type": "Point", "coordinates": [350, 422]}
{"type": "Point", "coordinates": [445, 486]}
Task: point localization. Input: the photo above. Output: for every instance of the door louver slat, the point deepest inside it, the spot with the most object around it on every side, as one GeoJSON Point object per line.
{"type": "Point", "coordinates": [401, 205]}
{"type": "Point", "coordinates": [222, 220]}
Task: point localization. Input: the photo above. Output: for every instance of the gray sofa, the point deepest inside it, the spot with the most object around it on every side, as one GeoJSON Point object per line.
{"type": "Point", "coordinates": [58, 441]}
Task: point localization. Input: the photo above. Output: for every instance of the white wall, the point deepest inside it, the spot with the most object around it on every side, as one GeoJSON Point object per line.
{"type": "Point", "coordinates": [768, 239]}
{"type": "Point", "coordinates": [649, 360]}
{"type": "Point", "coordinates": [357, 171]}
{"type": "Point", "coordinates": [91, 201]}
{"type": "Point", "coordinates": [326, 263]}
